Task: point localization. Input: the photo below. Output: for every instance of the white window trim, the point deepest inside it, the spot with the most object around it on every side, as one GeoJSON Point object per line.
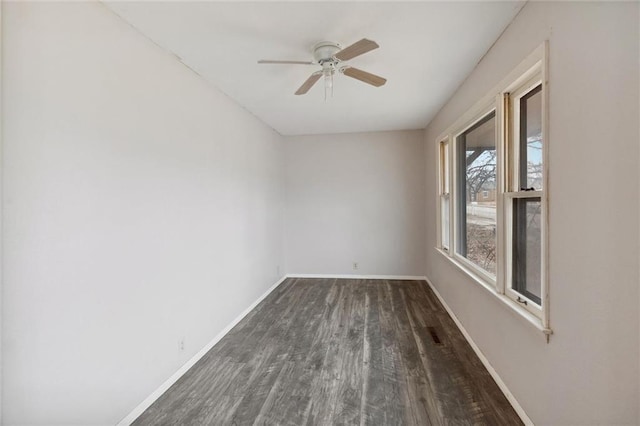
{"type": "Point", "coordinates": [512, 306]}
{"type": "Point", "coordinates": [533, 69]}
{"type": "Point", "coordinates": [443, 144]}
{"type": "Point", "coordinates": [482, 112]}
{"type": "Point", "coordinates": [533, 77]}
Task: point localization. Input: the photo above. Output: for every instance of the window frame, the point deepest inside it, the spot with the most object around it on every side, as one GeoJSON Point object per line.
{"type": "Point", "coordinates": [512, 96]}
{"type": "Point", "coordinates": [530, 73]}
{"type": "Point", "coordinates": [487, 278]}
{"type": "Point", "coordinates": [444, 190]}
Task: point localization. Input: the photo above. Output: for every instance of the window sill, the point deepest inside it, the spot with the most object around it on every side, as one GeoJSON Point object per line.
{"type": "Point", "coordinates": [518, 310]}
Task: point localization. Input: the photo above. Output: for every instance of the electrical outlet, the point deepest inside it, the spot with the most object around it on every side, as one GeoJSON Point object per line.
{"type": "Point", "coordinates": [181, 344]}
{"type": "Point", "coordinates": [355, 266]}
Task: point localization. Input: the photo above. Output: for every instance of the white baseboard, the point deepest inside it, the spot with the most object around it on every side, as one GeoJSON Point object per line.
{"type": "Point", "coordinates": [360, 277]}
{"type": "Point", "coordinates": [133, 415]}
{"type": "Point", "coordinates": [503, 387]}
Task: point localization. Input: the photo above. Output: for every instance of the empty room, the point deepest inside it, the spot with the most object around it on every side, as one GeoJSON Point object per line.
{"type": "Point", "coordinates": [319, 213]}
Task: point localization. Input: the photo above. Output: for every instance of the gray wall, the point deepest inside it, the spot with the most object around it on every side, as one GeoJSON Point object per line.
{"type": "Point", "coordinates": [588, 373]}
{"type": "Point", "coordinates": [138, 213]}
{"type": "Point", "coordinates": [355, 197]}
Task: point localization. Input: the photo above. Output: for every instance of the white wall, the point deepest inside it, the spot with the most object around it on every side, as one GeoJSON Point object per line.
{"type": "Point", "coordinates": [355, 197]}
{"type": "Point", "coordinates": [141, 206]}
{"type": "Point", "coordinates": [588, 373]}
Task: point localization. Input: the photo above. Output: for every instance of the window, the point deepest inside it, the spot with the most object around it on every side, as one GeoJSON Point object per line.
{"type": "Point", "coordinates": [525, 193]}
{"type": "Point", "coordinates": [491, 200]}
{"type": "Point", "coordinates": [475, 158]}
{"type": "Point", "coordinates": [444, 208]}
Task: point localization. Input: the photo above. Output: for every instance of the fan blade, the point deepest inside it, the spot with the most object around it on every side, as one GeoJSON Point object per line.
{"type": "Point", "coordinates": [356, 49]}
{"type": "Point", "coordinates": [266, 61]}
{"type": "Point", "coordinates": [372, 79]}
{"type": "Point", "coordinates": [309, 83]}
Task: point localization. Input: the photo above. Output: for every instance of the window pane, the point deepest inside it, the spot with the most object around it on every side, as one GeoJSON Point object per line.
{"type": "Point", "coordinates": [527, 254]}
{"type": "Point", "coordinates": [445, 221]}
{"type": "Point", "coordinates": [531, 139]}
{"type": "Point", "coordinates": [476, 192]}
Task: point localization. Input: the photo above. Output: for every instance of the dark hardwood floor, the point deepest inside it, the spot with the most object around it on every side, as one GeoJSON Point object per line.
{"type": "Point", "coordinates": [335, 351]}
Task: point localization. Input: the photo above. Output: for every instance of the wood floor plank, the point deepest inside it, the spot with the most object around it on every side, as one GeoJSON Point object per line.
{"type": "Point", "coordinates": [372, 406]}
{"type": "Point", "coordinates": [398, 402]}
{"type": "Point", "coordinates": [350, 379]}
{"type": "Point", "coordinates": [332, 352]}
{"type": "Point", "coordinates": [449, 392]}
{"type": "Point", "coordinates": [422, 404]}
{"type": "Point", "coordinates": [472, 375]}
{"type": "Point", "coordinates": [290, 404]}
{"type": "Point", "coordinates": [326, 388]}
{"type": "Point", "coordinates": [249, 408]}
{"type": "Point", "coordinates": [264, 376]}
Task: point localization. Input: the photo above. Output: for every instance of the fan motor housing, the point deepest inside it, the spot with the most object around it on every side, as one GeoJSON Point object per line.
{"type": "Point", "coordinates": [324, 51]}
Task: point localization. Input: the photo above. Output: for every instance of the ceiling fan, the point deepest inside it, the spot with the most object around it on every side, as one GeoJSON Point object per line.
{"type": "Point", "coordinates": [331, 57]}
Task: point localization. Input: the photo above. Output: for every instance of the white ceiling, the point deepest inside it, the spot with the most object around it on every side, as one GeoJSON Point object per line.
{"type": "Point", "coordinates": [426, 51]}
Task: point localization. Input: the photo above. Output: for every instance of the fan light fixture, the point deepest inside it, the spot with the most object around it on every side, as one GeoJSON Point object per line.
{"type": "Point", "coordinates": [327, 72]}
{"type": "Point", "coordinates": [330, 56]}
